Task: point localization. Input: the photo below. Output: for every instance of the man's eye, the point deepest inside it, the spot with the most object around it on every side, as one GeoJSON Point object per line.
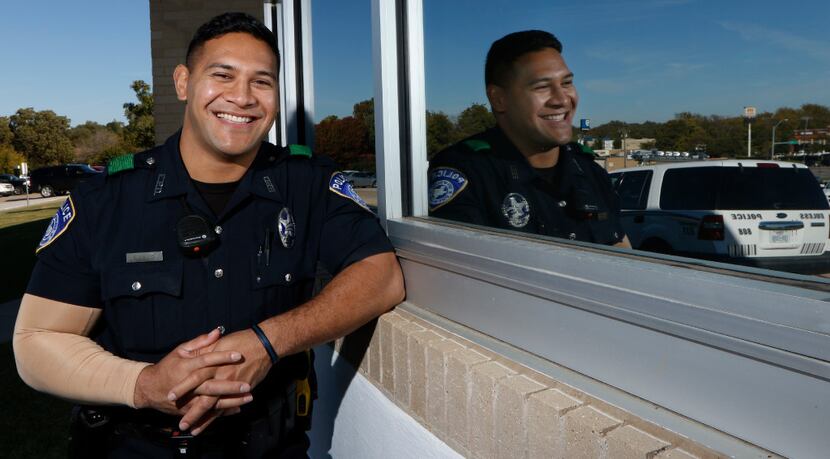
{"type": "Point", "coordinates": [221, 76]}
{"type": "Point", "coordinates": [264, 83]}
{"type": "Point", "coordinates": [567, 83]}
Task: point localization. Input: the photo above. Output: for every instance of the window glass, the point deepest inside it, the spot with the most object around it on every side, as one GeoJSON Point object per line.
{"type": "Point", "coordinates": [343, 88]}
{"type": "Point", "coordinates": [645, 88]}
{"type": "Point", "coordinates": [633, 189]}
{"type": "Point", "coordinates": [690, 188]}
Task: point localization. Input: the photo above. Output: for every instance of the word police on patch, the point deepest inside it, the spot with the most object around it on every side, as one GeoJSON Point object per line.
{"type": "Point", "coordinates": [341, 186]}
{"type": "Point", "coordinates": [59, 223]}
{"type": "Point", "coordinates": [445, 183]}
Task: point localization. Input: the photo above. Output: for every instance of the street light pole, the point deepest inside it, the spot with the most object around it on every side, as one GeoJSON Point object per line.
{"type": "Point", "coordinates": [772, 147]}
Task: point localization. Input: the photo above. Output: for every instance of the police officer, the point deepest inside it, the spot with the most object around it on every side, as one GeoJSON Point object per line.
{"type": "Point", "coordinates": [525, 174]}
{"type": "Point", "coordinates": [214, 230]}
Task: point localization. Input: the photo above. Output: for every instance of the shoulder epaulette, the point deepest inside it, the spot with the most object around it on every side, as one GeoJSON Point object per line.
{"type": "Point", "coordinates": [299, 150]}
{"type": "Point", "coordinates": [587, 150]}
{"type": "Point", "coordinates": [121, 163]}
{"type": "Point", "coordinates": [477, 144]}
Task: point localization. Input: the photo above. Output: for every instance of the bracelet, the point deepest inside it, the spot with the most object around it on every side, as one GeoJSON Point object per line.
{"type": "Point", "coordinates": [266, 344]}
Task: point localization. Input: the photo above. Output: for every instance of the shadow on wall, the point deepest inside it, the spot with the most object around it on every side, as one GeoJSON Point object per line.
{"type": "Point", "coordinates": [335, 373]}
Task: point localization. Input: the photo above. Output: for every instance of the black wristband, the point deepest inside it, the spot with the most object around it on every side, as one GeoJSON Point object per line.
{"type": "Point", "coordinates": [266, 344]}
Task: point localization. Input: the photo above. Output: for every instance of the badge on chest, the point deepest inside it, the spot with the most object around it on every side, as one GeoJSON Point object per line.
{"type": "Point", "coordinates": [516, 210]}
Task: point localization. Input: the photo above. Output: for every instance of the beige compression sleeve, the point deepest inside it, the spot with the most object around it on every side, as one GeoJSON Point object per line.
{"type": "Point", "coordinates": [54, 354]}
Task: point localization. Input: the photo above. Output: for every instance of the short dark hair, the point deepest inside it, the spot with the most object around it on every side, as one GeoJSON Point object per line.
{"type": "Point", "coordinates": [507, 49]}
{"type": "Point", "coordinates": [231, 23]}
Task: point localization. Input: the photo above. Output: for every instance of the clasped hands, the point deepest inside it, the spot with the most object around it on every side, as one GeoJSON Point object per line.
{"type": "Point", "coordinates": [204, 378]}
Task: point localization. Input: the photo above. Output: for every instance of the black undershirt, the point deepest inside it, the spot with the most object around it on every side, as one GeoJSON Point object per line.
{"type": "Point", "coordinates": [216, 195]}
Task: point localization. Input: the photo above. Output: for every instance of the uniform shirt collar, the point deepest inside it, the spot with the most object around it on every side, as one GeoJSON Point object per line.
{"type": "Point", "coordinates": [171, 179]}
{"type": "Point", "coordinates": [520, 170]}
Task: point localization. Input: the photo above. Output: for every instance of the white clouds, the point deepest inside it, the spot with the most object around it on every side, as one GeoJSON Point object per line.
{"type": "Point", "coordinates": [767, 36]}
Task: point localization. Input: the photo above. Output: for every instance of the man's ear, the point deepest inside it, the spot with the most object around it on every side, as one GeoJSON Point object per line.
{"type": "Point", "coordinates": [180, 77]}
{"type": "Point", "coordinates": [497, 97]}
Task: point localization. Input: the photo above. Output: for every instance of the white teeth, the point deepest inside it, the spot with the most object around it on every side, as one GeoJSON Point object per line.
{"type": "Point", "coordinates": [235, 119]}
{"type": "Point", "coordinates": [559, 117]}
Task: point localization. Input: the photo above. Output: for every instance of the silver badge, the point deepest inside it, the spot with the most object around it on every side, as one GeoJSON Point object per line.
{"type": "Point", "coordinates": [286, 228]}
{"type": "Point", "coordinates": [516, 210]}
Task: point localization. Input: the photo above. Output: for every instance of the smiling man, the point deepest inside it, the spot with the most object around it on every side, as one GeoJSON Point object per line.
{"type": "Point", "coordinates": [526, 174]}
{"type": "Point", "coordinates": [172, 298]}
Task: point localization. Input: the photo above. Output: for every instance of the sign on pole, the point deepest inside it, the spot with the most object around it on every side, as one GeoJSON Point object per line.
{"type": "Point", "coordinates": [584, 124]}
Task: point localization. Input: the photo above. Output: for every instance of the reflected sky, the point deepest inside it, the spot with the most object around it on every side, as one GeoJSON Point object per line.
{"type": "Point", "coordinates": [633, 60]}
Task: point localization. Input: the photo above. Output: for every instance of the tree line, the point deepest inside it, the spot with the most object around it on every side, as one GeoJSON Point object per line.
{"type": "Point", "coordinates": [720, 135]}
{"type": "Point", "coordinates": [43, 138]}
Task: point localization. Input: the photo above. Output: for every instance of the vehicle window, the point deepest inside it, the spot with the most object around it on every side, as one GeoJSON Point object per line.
{"type": "Point", "coordinates": [757, 188]}
{"type": "Point", "coordinates": [633, 189]}
{"type": "Point", "coordinates": [690, 188]}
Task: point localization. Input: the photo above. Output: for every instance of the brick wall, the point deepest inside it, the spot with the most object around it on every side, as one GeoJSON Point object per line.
{"type": "Point", "coordinates": [172, 24]}
{"type": "Point", "coordinates": [485, 406]}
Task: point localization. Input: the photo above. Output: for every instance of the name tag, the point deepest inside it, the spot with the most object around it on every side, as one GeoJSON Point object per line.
{"type": "Point", "coordinates": [145, 257]}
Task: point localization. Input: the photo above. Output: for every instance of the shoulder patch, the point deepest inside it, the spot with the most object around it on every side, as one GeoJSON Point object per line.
{"type": "Point", "coordinates": [338, 184]}
{"type": "Point", "coordinates": [299, 150]}
{"type": "Point", "coordinates": [445, 183]}
{"type": "Point", "coordinates": [121, 163]}
{"type": "Point", "coordinates": [477, 144]}
{"type": "Point", "coordinates": [58, 225]}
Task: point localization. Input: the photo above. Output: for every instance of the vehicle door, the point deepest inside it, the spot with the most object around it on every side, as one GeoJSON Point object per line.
{"type": "Point", "coordinates": [633, 189]}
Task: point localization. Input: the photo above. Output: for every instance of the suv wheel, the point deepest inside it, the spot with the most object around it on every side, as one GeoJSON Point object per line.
{"type": "Point", "coordinates": [46, 191]}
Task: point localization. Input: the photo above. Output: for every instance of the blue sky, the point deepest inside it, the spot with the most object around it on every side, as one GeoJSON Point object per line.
{"type": "Point", "coordinates": [634, 60]}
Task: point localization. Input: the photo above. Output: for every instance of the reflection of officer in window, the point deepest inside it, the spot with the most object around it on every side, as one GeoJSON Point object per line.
{"type": "Point", "coordinates": [213, 228]}
{"type": "Point", "coordinates": [526, 174]}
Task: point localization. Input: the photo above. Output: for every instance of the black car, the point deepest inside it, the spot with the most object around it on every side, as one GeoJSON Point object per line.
{"type": "Point", "coordinates": [18, 183]}
{"type": "Point", "coordinates": [60, 179]}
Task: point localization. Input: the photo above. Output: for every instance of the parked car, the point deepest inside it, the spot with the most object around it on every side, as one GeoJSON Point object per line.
{"type": "Point", "coordinates": [18, 183]}
{"type": "Point", "coordinates": [768, 214]}
{"type": "Point", "coordinates": [52, 180]}
{"type": "Point", "coordinates": [6, 189]}
{"type": "Point", "coordinates": [361, 179]}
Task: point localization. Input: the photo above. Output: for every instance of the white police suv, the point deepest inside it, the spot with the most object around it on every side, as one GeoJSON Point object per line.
{"type": "Point", "coordinates": [769, 214]}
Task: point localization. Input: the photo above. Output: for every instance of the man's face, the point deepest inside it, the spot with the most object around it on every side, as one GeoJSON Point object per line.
{"type": "Point", "coordinates": [537, 106]}
{"type": "Point", "coordinates": [231, 92]}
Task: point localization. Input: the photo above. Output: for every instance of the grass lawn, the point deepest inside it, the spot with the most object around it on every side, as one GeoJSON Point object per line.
{"type": "Point", "coordinates": [31, 424]}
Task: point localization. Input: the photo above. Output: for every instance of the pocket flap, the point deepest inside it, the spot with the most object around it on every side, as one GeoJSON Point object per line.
{"type": "Point", "coordinates": [143, 279]}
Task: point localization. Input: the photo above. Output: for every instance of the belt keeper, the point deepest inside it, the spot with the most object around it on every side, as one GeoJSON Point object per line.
{"type": "Point", "coordinates": [266, 344]}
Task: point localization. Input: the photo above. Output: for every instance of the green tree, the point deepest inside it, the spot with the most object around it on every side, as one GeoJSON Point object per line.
{"type": "Point", "coordinates": [472, 120]}
{"type": "Point", "coordinates": [364, 111]}
{"type": "Point", "coordinates": [140, 130]}
{"type": "Point", "coordinates": [6, 134]}
{"type": "Point", "coordinates": [92, 140]}
{"type": "Point", "coordinates": [345, 140]}
{"type": "Point", "coordinates": [41, 136]}
{"type": "Point", "coordinates": [439, 132]}
{"type": "Point", "coordinates": [9, 159]}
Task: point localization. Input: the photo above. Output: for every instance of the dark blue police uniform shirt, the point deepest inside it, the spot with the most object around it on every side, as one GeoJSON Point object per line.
{"type": "Point", "coordinates": [151, 306]}
{"type": "Point", "coordinates": [485, 180]}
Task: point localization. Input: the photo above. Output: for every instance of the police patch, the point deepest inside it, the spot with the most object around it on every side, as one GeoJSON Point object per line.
{"type": "Point", "coordinates": [58, 225]}
{"type": "Point", "coordinates": [445, 183]}
{"type": "Point", "coordinates": [341, 186]}
{"type": "Point", "coordinates": [516, 210]}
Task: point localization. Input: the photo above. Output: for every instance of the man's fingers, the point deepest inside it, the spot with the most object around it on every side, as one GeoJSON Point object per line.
{"type": "Point", "coordinates": [187, 348]}
{"type": "Point", "coordinates": [233, 401]}
{"type": "Point", "coordinates": [221, 387]}
{"type": "Point", "coordinates": [199, 407]}
{"type": "Point", "coordinates": [231, 411]}
{"type": "Point", "coordinates": [205, 421]}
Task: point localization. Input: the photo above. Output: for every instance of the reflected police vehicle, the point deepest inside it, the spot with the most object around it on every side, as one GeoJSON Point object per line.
{"type": "Point", "coordinates": [768, 214]}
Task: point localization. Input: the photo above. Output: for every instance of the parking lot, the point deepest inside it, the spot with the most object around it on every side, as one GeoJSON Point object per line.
{"type": "Point", "coordinates": [14, 202]}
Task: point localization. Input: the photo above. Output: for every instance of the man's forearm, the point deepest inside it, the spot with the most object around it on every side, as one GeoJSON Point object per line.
{"type": "Point", "coordinates": [53, 354]}
{"type": "Point", "coordinates": [358, 294]}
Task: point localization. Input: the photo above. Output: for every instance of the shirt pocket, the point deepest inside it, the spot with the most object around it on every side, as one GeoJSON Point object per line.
{"type": "Point", "coordinates": [283, 284]}
{"type": "Point", "coordinates": [144, 305]}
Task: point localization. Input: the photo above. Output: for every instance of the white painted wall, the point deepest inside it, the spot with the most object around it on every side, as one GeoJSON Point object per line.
{"type": "Point", "coordinates": [353, 419]}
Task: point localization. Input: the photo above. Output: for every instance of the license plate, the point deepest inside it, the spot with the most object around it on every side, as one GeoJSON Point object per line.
{"type": "Point", "coordinates": [780, 237]}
